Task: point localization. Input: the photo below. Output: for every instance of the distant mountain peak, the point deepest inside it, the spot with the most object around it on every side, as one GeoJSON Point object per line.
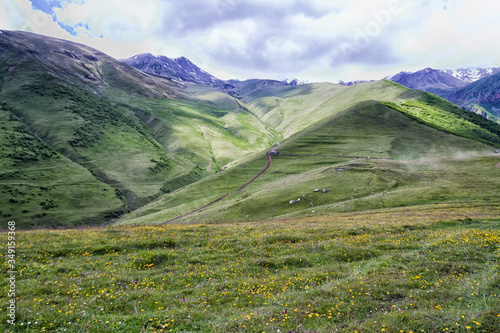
{"type": "Point", "coordinates": [179, 69]}
{"type": "Point", "coordinates": [466, 75]}
{"type": "Point", "coordinates": [392, 77]}
{"type": "Point", "coordinates": [471, 74]}
{"type": "Point", "coordinates": [429, 79]}
{"type": "Point", "coordinates": [474, 89]}
{"type": "Point", "coordinates": [351, 83]}
{"type": "Point", "coordinates": [294, 82]}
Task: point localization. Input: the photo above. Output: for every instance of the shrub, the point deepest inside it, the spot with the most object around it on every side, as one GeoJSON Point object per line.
{"type": "Point", "coordinates": [153, 259]}
{"type": "Point", "coordinates": [156, 243]}
{"type": "Point", "coordinates": [293, 261]}
{"type": "Point", "coordinates": [284, 239]}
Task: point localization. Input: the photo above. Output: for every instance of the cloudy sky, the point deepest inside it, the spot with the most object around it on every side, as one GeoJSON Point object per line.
{"type": "Point", "coordinates": [313, 40]}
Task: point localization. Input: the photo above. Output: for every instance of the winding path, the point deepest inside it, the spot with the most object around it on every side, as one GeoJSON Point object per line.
{"type": "Point", "coordinates": [339, 156]}
{"type": "Point", "coordinates": [228, 194]}
{"type": "Point", "coordinates": [272, 151]}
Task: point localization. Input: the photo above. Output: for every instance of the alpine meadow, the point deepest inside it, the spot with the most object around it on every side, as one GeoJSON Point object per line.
{"type": "Point", "coordinates": [150, 196]}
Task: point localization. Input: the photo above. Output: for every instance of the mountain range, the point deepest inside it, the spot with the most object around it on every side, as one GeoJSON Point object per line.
{"type": "Point", "coordinates": [178, 69]}
{"type": "Point", "coordinates": [88, 139]}
{"type": "Point", "coordinates": [450, 84]}
{"type": "Point", "coordinates": [474, 90]}
{"type": "Point", "coordinates": [183, 70]}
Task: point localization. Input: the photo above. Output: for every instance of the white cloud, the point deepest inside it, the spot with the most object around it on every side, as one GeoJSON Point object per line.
{"type": "Point", "coordinates": [460, 36]}
{"type": "Point", "coordinates": [123, 20]}
{"type": "Point", "coordinates": [18, 15]}
{"type": "Point", "coordinates": [261, 38]}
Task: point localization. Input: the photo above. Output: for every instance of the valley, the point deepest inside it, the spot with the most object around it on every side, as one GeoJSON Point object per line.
{"type": "Point", "coordinates": [170, 200]}
{"type": "Point", "coordinates": [151, 149]}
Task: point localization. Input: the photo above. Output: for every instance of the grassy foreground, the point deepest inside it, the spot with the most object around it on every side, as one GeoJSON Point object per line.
{"type": "Point", "coordinates": [434, 269]}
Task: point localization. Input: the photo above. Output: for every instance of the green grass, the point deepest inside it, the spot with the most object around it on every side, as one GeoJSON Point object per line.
{"type": "Point", "coordinates": [369, 156]}
{"type": "Point", "coordinates": [164, 149]}
{"type": "Point", "coordinates": [40, 188]}
{"type": "Point", "coordinates": [438, 113]}
{"type": "Point", "coordinates": [138, 135]}
{"type": "Point", "coordinates": [293, 109]}
{"type": "Point", "coordinates": [432, 271]}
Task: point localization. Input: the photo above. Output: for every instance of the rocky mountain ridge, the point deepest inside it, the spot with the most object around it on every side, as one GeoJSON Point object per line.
{"type": "Point", "coordinates": [471, 74]}
{"type": "Point", "coordinates": [474, 89]}
{"type": "Point", "coordinates": [178, 69]}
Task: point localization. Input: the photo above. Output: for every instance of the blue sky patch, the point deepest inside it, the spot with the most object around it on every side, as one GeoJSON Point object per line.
{"type": "Point", "coordinates": [48, 6]}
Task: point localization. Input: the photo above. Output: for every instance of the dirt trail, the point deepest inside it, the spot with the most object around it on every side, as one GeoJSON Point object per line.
{"type": "Point", "coordinates": [228, 194]}
{"type": "Point", "coordinates": [274, 152]}
{"type": "Point", "coordinates": [498, 165]}
{"type": "Point", "coordinates": [339, 156]}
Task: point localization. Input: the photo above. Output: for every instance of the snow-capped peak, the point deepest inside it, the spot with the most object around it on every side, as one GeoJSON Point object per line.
{"type": "Point", "coordinates": [470, 74]}
{"type": "Point", "coordinates": [294, 82]}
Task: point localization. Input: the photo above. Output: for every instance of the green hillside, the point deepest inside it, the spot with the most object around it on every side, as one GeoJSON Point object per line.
{"type": "Point", "coordinates": [481, 95]}
{"type": "Point", "coordinates": [158, 149]}
{"type": "Point", "coordinates": [40, 187]}
{"type": "Point", "coordinates": [136, 134]}
{"type": "Point", "coordinates": [369, 156]}
{"type": "Point", "coordinates": [292, 109]}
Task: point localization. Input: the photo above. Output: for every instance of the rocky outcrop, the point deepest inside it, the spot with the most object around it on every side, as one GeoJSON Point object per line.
{"type": "Point", "coordinates": [178, 69]}
{"type": "Point", "coordinates": [429, 80]}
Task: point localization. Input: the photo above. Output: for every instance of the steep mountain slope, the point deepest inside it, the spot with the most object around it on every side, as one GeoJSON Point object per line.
{"type": "Point", "coordinates": [430, 80]}
{"type": "Point", "coordinates": [81, 64]}
{"type": "Point", "coordinates": [472, 89]}
{"type": "Point", "coordinates": [178, 69]}
{"type": "Point", "coordinates": [40, 187]}
{"type": "Point", "coordinates": [86, 138]}
{"type": "Point", "coordinates": [482, 96]}
{"type": "Point", "coordinates": [139, 134]}
{"type": "Point", "coordinates": [367, 154]}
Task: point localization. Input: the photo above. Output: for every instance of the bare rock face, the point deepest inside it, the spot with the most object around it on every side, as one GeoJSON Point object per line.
{"type": "Point", "coordinates": [430, 80]}
{"type": "Point", "coordinates": [484, 91]}
{"type": "Point", "coordinates": [463, 87]}
{"type": "Point", "coordinates": [178, 69]}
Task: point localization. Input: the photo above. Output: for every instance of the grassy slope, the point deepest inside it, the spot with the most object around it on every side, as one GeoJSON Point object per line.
{"type": "Point", "coordinates": [129, 129]}
{"type": "Point", "coordinates": [474, 95]}
{"type": "Point", "coordinates": [292, 109]}
{"type": "Point", "coordinates": [439, 113]}
{"type": "Point", "coordinates": [110, 119]}
{"type": "Point", "coordinates": [410, 163]}
{"type": "Point", "coordinates": [40, 187]}
{"type": "Point", "coordinates": [391, 272]}
{"type": "Point", "coordinates": [87, 129]}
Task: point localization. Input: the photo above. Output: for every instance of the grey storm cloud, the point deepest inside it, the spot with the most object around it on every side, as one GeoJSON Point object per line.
{"type": "Point", "coordinates": [280, 38]}
{"type": "Point", "coordinates": [266, 46]}
{"type": "Point", "coordinates": [284, 36]}
{"type": "Point", "coordinates": [192, 15]}
{"type": "Point", "coordinates": [257, 55]}
{"type": "Point", "coordinates": [360, 49]}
